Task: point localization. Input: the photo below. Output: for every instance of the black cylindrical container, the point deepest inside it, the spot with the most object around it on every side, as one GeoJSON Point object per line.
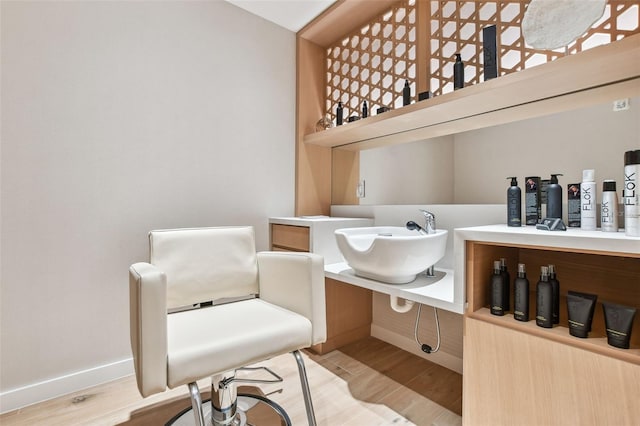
{"type": "Point", "coordinates": [406, 93]}
{"type": "Point", "coordinates": [365, 109]}
{"type": "Point", "coordinates": [497, 290]}
{"type": "Point", "coordinates": [458, 73]}
{"type": "Point", "coordinates": [555, 288]}
{"type": "Point", "coordinates": [554, 198]}
{"type": "Point", "coordinates": [544, 299]}
{"type": "Point", "coordinates": [514, 203]}
{"type": "Point", "coordinates": [339, 112]}
{"type": "Point", "coordinates": [506, 285]}
{"type": "Point", "coordinates": [521, 295]}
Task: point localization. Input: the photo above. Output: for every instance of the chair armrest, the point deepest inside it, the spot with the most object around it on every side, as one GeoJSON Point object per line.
{"type": "Point", "coordinates": [148, 322]}
{"type": "Point", "coordinates": [295, 281]}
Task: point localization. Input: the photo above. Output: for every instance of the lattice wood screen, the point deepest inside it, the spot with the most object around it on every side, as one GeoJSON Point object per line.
{"type": "Point", "coordinates": [456, 26]}
{"type": "Point", "coordinates": [372, 64]}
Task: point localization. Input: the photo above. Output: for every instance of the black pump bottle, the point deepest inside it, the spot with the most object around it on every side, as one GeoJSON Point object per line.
{"type": "Point", "coordinates": [514, 203]}
{"type": "Point", "coordinates": [365, 109]}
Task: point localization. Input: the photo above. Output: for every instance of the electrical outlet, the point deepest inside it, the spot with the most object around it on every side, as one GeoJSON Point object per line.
{"type": "Point", "coordinates": [360, 189]}
{"type": "Point", "coordinates": [621, 104]}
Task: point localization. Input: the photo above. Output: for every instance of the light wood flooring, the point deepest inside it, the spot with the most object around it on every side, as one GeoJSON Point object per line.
{"type": "Point", "coordinates": [368, 382]}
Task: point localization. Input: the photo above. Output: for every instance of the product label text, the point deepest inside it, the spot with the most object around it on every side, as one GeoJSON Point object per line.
{"type": "Point", "coordinates": [607, 215]}
{"type": "Point", "coordinates": [629, 191]}
{"type": "Point", "coordinates": [586, 199]}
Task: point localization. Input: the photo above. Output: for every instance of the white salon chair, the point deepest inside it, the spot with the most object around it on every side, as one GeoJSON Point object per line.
{"type": "Point", "coordinates": [264, 304]}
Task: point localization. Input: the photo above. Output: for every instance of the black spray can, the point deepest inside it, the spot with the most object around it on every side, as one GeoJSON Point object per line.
{"type": "Point", "coordinates": [406, 93]}
{"type": "Point", "coordinates": [514, 203]}
{"type": "Point", "coordinates": [521, 295]}
{"type": "Point", "coordinates": [544, 300]}
{"type": "Point", "coordinates": [339, 112]}
{"type": "Point", "coordinates": [555, 291]}
{"type": "Point", "coordinates": [458, 73]}
{"type": "Point", "coordinates": [497, 290]}
{"type": "Point", "coordinates": [506, 285]}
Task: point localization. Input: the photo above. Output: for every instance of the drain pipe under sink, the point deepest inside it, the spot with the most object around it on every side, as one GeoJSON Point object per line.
{"type": "Point", "coordinates": [405, 307]}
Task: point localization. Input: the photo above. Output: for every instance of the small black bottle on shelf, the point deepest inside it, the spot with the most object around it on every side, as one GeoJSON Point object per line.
{"type": "Point", "coordinates": [555, 291]}
{"type": "Point", "coordinates": [458, 73]}
{"type": "Point", "coordinates": [365, 109]}
{"type": "Point", "coordinates": [521, 295]}
{"type": "Point", "coordinates": [544, 300]}
{"type": "Point", "coordinates": [339, 112]}
{"type": "Point", "coordinates": [497, 290]}
{"type": "Point", "coordinates": [506, 286]}
{"type": "Point", "coordinates": [406, 93]}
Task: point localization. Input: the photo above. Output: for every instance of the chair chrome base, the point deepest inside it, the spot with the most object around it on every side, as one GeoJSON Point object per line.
{"type": "Point", "coordinates": [227, 408]}
{"type": "Point", "coordinates": [251, 410]}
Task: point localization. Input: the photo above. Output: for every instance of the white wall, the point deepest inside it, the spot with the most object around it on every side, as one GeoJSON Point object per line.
{"type": "Point", "coordinates": [568, 142]}
{"type": "Point", "coordinates": [118, 118]}
{"type": "Point", "coordinates": [472, 167]}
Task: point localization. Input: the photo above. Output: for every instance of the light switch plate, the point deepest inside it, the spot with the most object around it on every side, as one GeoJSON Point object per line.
{"type": "Point", "coordinates": [360, 189]}
{"type": "Point", "coordinates": [621, 104]}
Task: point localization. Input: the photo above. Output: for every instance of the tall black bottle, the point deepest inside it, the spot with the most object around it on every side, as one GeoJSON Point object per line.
{"type": "Point", "coordinates": [497, 290]}
{"type": "Point", "coordinates": [544, 300]}
{"type": "Point", "coordinates": [554, 198]}
{"type": "Point", "coordinates": [506, 286]}
{"type": "Point", "coordinates": [521, 295]}
{"type": "Point", "coordinates": [406, 93]}
{"type": "Point", "coordinates": [555, 291]}
{"type": "Point", "coordinates": [458, 73]}
{"type": "Point", "coordinates": [514, 203]}
{"type": "Point", "coordinates": [339, 112]}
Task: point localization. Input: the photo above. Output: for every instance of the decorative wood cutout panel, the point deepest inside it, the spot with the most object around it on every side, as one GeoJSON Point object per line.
{"type": "Point", "coordinates": [456, 26]}
{"type": "Point", "coordinates": [372, 64]}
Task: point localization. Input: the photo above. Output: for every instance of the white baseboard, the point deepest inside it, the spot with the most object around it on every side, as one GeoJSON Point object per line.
{"type": "Point", "coordinates": [21, 397]}
{"type": "Point", "coordinates": [442, 358]}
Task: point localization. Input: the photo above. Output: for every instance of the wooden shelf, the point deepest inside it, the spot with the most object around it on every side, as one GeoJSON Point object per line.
{"type": "Point", "coordinates": [559, 334]}
{"type": "Point", "coordinates": [601, 74]}
{"type": "Point", "coordinates": [595, 262]}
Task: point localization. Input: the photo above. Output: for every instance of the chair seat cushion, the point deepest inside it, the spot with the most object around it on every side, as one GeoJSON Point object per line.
{"type": "Point", "coordinates": [212, 340]}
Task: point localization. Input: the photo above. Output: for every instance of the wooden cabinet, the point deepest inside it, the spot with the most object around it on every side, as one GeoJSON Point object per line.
{"type": "Point", "coordinates": [349, 308]}
{"type": "Point", "coordinates": [518, 373]}
{"type": "Point", "coordinates": [512, 377]}
{"type": "Point", "coordinates": [349, 314]}
{"type": "Point", "coordinates": [289, 238]}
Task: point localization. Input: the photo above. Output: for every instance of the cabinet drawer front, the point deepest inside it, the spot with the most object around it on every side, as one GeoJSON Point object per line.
{"type": "Point", "coordinates": [289, 237]}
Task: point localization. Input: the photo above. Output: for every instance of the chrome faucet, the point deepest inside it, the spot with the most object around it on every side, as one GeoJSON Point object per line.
{"type": "Point", "coordinates": [429, 222]}
{"type": "Point", "coordinates": [429, 228]}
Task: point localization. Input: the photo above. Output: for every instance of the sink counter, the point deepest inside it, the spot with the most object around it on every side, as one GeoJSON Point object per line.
{"type": "Point", "coordinates": [435, 291]}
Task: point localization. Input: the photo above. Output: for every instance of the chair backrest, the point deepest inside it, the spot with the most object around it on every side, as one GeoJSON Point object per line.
{"type": "Point", "coordinates": [203, 264]}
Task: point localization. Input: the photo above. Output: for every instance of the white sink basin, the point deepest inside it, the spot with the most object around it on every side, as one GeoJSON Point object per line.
{"type": "Point", "coordinates": [391, 254]}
